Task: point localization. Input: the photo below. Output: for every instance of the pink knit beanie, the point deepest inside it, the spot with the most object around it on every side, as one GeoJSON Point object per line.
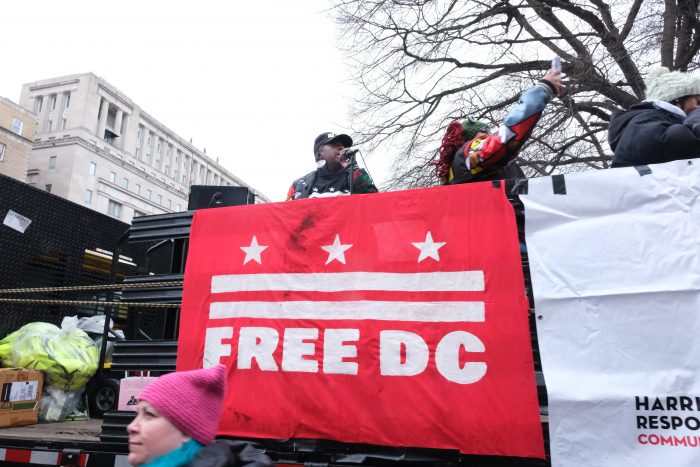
{"type": "Point", "coordinates": [190, 400]}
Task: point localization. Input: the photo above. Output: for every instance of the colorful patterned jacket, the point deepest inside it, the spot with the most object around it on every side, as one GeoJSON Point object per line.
{"type": "Point", "coordinates": [486, 155]}
{"type": "Point", "coordinates": [321, 183]}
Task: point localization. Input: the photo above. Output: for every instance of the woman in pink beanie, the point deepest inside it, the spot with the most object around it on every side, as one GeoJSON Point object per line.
{"type": "Point", "coordinates": [176, 421]}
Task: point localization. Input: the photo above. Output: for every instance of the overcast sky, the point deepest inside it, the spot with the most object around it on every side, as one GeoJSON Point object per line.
{"type": "Point", "coordinates": [252, 82]}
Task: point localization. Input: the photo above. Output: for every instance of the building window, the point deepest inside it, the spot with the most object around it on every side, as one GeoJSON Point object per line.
{"type": "Point", "coordinates": [49, 124]}
{"type": "Point", "coordinates": [38, 104]}
{"type": "Point", "coordinates": [137, 189]}
{"type": "Point", "coordinates": [2, 152]}
{"type": "Point", "coordinates": [64, 123]}
{"type": "Point", "coordinates": [178, 207]}
{"type": "Point", "coordinates": [66, 101]}
{"type": "Point", "coordinates": [125, 183]}
{"type": "Point", "coordinates": [170, 204]}
{"type": "Point", "coordinates": [138, 213]}
{"type": "Point", "coordinates": [93, 168]}
{"type": "Point", "coordinates": [112, 177]}
{"type": "Point", "coordinates": [88, 196]}
{"type": "Point", "coordinates": [52, 102]}
{"type": "Point", "coordinates": [17, 125]}
{"type": "Point", "coordinates": [148, 194]}
{"type": "Point", "coordinates": [139, 132]}
{"type": "Point", "coordinates": [52, 162]}
{"type": "Point", "coordinates": [114, 209]}
{"type": "Point", "coordinates": [160, 199]}
{"type": "Point", "coordinates": [48, 188]}
{"type": "Point", "coordinates": [167, 170]}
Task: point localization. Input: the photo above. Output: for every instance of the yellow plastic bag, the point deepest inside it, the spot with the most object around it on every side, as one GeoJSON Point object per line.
{"type": "Point", "coordinates": [67, 356]}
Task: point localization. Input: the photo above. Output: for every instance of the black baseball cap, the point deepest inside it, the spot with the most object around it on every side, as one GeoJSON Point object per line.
{"type": "Point", "coordinates": [329, 137]}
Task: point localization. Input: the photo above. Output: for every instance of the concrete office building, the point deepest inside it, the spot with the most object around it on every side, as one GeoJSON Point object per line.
{"type": "Point", "coordinates": [95, 146]}
{"type": "Point", "coordinates": [17, 127]}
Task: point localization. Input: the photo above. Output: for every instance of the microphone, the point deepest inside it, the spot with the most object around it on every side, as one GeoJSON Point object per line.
{"type": "Point", "coordinates": [350, 153]}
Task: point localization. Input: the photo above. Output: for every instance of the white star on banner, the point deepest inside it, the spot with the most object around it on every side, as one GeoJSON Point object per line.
{"type": "Point", "coordinates": [336, 251]}
{"type": "Point", "coordinates": [428, 248]}
{"type": "Point", "coordinates": [253, 251]}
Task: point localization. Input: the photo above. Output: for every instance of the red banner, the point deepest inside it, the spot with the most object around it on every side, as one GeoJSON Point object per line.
{"type": "Point", "coordinates": [395, 319]}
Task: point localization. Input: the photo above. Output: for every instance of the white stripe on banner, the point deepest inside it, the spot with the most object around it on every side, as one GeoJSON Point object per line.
{"type": "Point", "coordinates": [3, 453]}
{"type": "Point", "coordinates": [459, 281]}
{"type": "Point", "coordinates": [429, 312]}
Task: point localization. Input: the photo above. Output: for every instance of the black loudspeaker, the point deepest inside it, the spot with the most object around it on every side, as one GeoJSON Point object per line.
{"type": "Point", "coordinates": [208, 196]}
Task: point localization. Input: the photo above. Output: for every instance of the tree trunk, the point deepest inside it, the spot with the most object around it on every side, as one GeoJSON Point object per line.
{"type": "Point", "coordinates": [668, 36]}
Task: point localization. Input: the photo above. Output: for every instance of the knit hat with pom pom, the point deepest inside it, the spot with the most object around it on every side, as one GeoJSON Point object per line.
{"type": "Point", "coordinates": [191, 400]}
{"type": "Point", "coordinates": [470, 128]}
{"type": "Point", "coordinates": [667, 86]}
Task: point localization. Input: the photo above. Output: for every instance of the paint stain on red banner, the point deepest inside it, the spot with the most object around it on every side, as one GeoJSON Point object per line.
{"type": "Point", "coordinates": [396, 319]}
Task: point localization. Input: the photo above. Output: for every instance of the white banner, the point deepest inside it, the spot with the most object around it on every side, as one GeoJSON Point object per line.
{"type": "Point", "coordinates": [616, 278]}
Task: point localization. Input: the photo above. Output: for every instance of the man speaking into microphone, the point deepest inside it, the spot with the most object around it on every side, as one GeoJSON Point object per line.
{"type": "Point", "coordinates": [336, 172]}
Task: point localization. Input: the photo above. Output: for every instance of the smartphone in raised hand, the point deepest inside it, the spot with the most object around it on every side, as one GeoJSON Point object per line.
{"type": "Point", "coordinates": [556, 63]}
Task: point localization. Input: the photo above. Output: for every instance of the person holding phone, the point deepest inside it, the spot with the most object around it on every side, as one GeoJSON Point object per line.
{"type": "Point", "coordinates": [470, 152]}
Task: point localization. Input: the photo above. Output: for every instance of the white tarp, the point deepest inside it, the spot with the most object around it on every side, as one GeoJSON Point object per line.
{"type": "Point", "coordinates": [616, 278]}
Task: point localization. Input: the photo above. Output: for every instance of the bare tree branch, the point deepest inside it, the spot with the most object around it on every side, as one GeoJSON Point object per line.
{"type": "Point", "coordinates": [424, 63]}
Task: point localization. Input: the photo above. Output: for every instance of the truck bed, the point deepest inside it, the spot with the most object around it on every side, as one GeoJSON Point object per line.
{"type": "Point", "coordinates": [74, 444]}
{"type": "Point", "coordinates": [87, 430]}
